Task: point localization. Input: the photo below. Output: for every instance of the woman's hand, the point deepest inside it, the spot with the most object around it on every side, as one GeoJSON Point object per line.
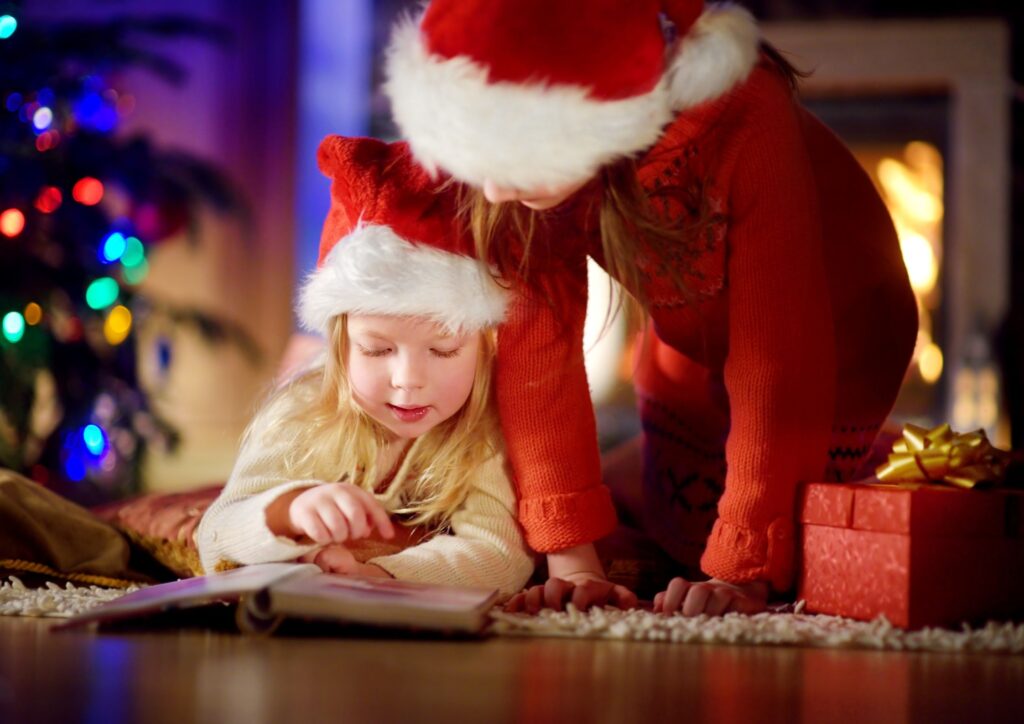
{"type": "Point", "coordinates": [712, 597]}
{"type": "Point", "coordinates": [583, 590]}
{"type": "Point", "coordinates": [329, 513]}
{"type": "Point", "coordinates": [336, 558]}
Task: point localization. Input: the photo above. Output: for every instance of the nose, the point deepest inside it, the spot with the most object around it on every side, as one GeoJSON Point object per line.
{"type": "Point", "coordinates": [406, 374]}
{"type": "Point", "coordinates": [498, 194]}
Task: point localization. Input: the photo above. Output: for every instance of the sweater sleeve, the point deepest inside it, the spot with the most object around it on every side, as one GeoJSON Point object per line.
{"type": "Point", "coordinates": [781, 363]}
{"type": "Point", "coordinates": [548, 418]}
{"type": "Point", "coordinates": [485, 547]}
{"type": "Point", "coordinates": [234, 528]}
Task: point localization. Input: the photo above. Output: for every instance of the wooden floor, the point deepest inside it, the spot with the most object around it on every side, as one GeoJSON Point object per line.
{"type": "Point", "coordinates": [217, 676]}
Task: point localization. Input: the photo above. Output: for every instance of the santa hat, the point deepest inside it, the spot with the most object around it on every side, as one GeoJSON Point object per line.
{"type": "Point", "coordinates": [531, 93]}
{"type": "Point", "coordinates": [398, 250]}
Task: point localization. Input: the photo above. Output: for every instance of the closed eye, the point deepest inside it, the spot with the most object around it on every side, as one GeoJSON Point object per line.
{"type": "Point", "coordinates": [374, 352]}
{"type": "Point", "coordinates": [446, 353]}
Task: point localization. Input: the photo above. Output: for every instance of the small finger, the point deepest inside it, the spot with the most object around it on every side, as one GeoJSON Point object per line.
{"type": "Point", "coordinates": [516, 603]}
{"type": "Point", "coordinates": [350, 506]}
{"type": "Point", "coordinates": [336, 522]}
{"type": "Point", "coordinates": [696, 599]}
{"type": "Point", "coordinates": [534, 599]}
{"type": "Point", "coordinates": [623, 598]}
{"type": "Point", "coordinates": [659, 599]}
{"type": "Point", "coordinates": [311, 525]}
{"type": "Point", "coordinates": [590, 593]}
{"type": "Point", "coordinates": [377, 516]}
{"type": "Point", "coordinates": [339, 559]}
{"type": "Point", "coordinates": [674, 595]}
{"type": "Point", "coordinates": [321, 560]}
{"type": "Point", "coordinates": [380, 517]}
{"type": "Point", "coordinates": [555, 591]}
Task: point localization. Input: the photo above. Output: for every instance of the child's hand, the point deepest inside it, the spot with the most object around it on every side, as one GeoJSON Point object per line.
{"type": "Point", "coordinates": [336, 558]}
{"type": "Point", "coordinates": [583, 590]}
{"type": "Point", "coordinates": [337, 512]}
{"type": "Point", "coordinates": [713, 597]}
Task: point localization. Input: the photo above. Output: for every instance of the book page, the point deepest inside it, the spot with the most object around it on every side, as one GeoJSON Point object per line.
{"type": "Point", "coordinates": [226, 586]}
{"type": "Point", "coordinates": [370, 591]}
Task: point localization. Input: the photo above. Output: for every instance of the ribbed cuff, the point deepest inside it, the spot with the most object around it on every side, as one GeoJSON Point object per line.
{"type": "Point", "coordinates": [557, 522]}
{"type": "Point", "coordinates": [239, 532]}
{"type": "Point", "coordinates": [740, 555]}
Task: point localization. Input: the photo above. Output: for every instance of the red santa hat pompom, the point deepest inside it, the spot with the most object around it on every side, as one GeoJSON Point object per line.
{"type": "Point", "coordinates": [531, 93]}
{"type": "Point", "coordinates": [400, 251]}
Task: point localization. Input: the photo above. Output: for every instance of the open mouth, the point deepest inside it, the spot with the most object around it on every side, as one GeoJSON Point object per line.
{"type": "Point", "coordinates": [408, 414]}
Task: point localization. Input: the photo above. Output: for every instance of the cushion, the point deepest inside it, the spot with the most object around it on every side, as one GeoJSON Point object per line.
{"type": "Point", "coordinates": [43, 533]}
{"type": "Point", "coordinates": [163, 524]}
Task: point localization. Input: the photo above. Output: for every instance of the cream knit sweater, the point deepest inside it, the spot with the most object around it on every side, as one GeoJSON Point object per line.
{"type": "Point", "coordinates": [485, 545]}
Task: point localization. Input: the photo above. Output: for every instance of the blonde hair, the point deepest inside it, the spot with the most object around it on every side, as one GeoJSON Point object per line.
{"type": "Point", "coordinates": [638, 228]}
{"type": "Point", "coordinates": [329, 437]}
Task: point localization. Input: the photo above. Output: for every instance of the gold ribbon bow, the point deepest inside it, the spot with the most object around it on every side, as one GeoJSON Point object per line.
{"type": "Point", "coordinates": [940, 455]}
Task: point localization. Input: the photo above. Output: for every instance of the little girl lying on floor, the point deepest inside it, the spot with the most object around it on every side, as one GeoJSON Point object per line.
{"type": "Point", "coordinates": [396, 422]}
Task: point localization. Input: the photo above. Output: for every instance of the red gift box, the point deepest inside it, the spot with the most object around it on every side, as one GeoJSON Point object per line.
{"type": "Point", "coordinates": [922, 555]}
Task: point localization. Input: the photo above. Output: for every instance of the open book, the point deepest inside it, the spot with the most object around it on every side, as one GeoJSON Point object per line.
{"type": "Point", "coordinates": [269, 592]}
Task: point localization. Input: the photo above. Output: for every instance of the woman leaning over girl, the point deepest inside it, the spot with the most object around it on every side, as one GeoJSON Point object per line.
{"type": "Point", "coordinates": [781, 319]}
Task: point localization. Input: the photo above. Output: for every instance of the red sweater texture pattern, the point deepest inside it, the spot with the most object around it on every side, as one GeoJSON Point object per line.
{"type": "Point", "coordinates": [796, 300]}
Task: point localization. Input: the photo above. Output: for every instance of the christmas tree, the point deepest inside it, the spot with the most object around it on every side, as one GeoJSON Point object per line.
{"type": "Point", "coordinates": [80, 207]}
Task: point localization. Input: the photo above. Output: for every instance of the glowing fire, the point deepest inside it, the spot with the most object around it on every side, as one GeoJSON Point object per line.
{"type": "Point", "coordinates": [911, 184]}
{"type": "Point", "coordinates": [912, 188]}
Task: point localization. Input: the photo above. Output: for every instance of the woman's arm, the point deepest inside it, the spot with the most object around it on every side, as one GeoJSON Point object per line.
{"type": "Point", "coordinates": [781, 367]}
{"type": "Point", "coordinates": [547, 416]}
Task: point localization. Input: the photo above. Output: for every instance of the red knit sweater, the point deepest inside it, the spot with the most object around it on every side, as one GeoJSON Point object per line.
{"type": "Point", "coordinates": [798, 301]}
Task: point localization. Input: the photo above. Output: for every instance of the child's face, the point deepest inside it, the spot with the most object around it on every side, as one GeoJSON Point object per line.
{"type": "Point", "coordinates": [538, 199]}
{"type": "Point", "coordinates": [408, 373]}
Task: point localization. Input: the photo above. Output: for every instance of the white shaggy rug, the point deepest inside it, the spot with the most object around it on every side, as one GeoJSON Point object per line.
{"type": "Point", "coordinates": [16, 599]}
{"type": "Point", "coordinates": [764, 629]}
{"type": "Point", "coordinates": [777, 628]}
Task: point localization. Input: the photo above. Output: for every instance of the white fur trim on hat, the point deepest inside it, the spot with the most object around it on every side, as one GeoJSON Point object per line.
{"type": "Point", "coordinates": [718, 52]}
{"type": "Point", "coordinates": [530, 135]}
{"type": "Point", "coordinates": [374, 271]}
{"type": "Point", "coordinates": [518, 135]}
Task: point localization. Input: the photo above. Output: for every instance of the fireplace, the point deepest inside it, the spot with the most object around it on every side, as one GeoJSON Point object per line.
{"type": "Point", "coordinates": [925, 107]}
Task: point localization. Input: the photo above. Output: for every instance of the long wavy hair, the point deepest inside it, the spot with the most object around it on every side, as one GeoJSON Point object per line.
{"type": "Point", "coordinates": [329, 437]}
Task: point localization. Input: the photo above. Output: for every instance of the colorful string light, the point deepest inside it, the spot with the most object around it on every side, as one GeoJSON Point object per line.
{"type": "Point", "coordinates": [13, 327]}
{"type": "Point", "coordinates": [102, 293]}
{"type": "Point", "coordinates": [134, 253]}
{"type": "Point", "coordinates": [117, 325]}
{"type": "Point", "coordinates": [42, 118]}
{"type": "Point", "coordinates": [95, 440]}
{"type": "Point", "coordinates": [134, 265]}
{"type": "Point", "coordinates": [113, 247]}
{"type": "Point", "coordinates": [88, 191]}
{"type": "Point", "coordinates": [33, 314]}
{"type": "Point", "coordinates": [8, 24]}
{"type": "Point", "coordinates": [12, 222]}
{"type": "Point", "coordinates": [49, 199]}
{"type": "Point", "coordinates": [135, 274]}
{"type": "Point", "coordinates": [74, 467]}
{"type": "Point", "coordinates": [47, 140]}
